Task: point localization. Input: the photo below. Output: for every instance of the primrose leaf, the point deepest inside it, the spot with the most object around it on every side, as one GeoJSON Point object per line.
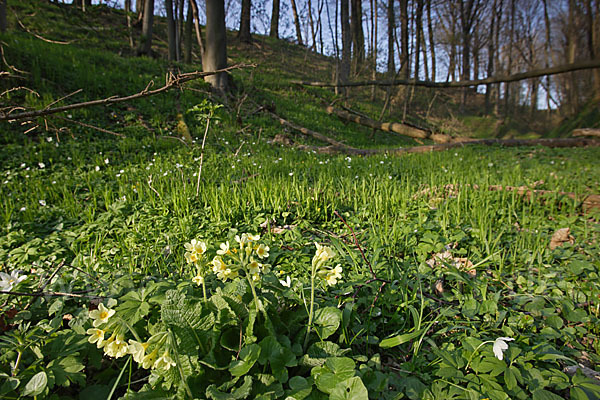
{"type": "Point", "coordinates": [36, 384]}
{"type": "Point", "coordinates": [248, 357]}
{"type": "Point", "coordinates": [242, 392]}
{"type": "Point", "coordinates": [350, 389]}
{"type": "Point", "coordinates": [327, 321]}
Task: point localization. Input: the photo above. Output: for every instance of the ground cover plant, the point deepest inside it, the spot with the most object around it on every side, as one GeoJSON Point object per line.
{"type": "Point", "coordinates": [144, 267]}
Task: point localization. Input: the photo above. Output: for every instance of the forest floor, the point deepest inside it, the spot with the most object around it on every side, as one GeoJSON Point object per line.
{"type": "Point", "coordinates": [143, 266]}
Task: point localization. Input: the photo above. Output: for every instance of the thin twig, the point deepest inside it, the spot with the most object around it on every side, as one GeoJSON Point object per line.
{"type": "Point", "coordinates": [38, 36]}
{"type": "Point", "coordinates": [19, 88]}
{"type": "Point", "coordinates": [89, 126]}
{"type": "Point", "coordinates": [150, 184]}
{"type": "Point", "coordinates": [51, 294]}
{"type": "Point", "coordinates": [62, 98]}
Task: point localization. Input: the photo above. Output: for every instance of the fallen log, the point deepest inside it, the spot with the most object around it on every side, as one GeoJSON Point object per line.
{"type": "Point", "coordinates": [559, 69]}
{"type": "Point", "coordinates": [308, 132]}
{"type": "Point", "coordinates": [396, 127]}
{"type": "Point", "coordinates": [586, 132]}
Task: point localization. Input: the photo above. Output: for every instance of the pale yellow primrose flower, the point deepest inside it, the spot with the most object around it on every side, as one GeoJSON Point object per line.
{"type": "Point", "coordinates": [116, 348]}
{"type": "Point", "coordinates": [224, 249]}
{"type": "Point", "coordinates": [254, 267]}
{"type": "Point", "coordinates": [191, 258]}
{"type": "Point", "coordinates": [323, 253]}
{"type": "Point", "coordinates": [241, 240]}
{"type": "Point", "coordinates": [196, 246]}
{"type": "Point", "coordinates": [149, 359]}
{"type": "Point", "coordinates": [227, 274]}
{"type": "Point", "coordinates": [253, 238]}
{"type": "Point", "coordinates": [97, 336]}
{"type": "Point", "coordinates": [101, 315]}
{"type": "Point", "coordinates": [218, 264]}
{"type": "Point", "coordinates": [137, 350]}
{"type": "Point", "coordinates": [198, 280]}
{"type": "Point", "coordinates": [333, 275]}
{"type": "Point", "coordinates": [164, 362]}
{"type": "Point", "coordinates": [262, 251]}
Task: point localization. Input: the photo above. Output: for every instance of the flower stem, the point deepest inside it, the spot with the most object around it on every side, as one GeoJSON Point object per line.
{"type": "Point", "coordinates": [204, 289]}
{"type": "Point", "coordinates": [312, 306]}
{"type": "Point", "coordinates": [253, 291]}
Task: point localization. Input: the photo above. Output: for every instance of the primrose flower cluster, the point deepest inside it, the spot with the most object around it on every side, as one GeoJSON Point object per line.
{"type": "Point", "coordinates": [329, 274]}
{"type": "Point", "coordinates": [105, 323]}
{"type": "Point", "coordinates": [230, 261]}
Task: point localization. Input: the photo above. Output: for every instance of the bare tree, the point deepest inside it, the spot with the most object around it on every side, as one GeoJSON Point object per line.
{"type": "Point", "coordinates": [244, 32]}
{"type": "Point", "coordinates": [346, 40]}
{"type": "Point", "coordinates": [215, 52]}
{"type": "Point", "coordinates": [187, 35]}
{"type": "Point", "coordinates": [431, 40]}
{"type": "Point", "coordinates": [297, 22]}
{"type": "Point", "coordinates": [358, 35]}
{"type": "Point", "coordinates": [274, 32]}
{"type": "Point", "coordinates": [3, 15]}
{"type": "Point", "coordinates": [404, 56]}
{"type": "Point", "coordinates": [148, 20]}
{"type": "Point", "coordinates": [171, 30]}
{"type": "Point", "coordinates": [391, 30]}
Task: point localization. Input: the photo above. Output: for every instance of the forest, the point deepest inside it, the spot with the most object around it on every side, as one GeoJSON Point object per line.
{"type": "Point", "coordinates": [304, 199]}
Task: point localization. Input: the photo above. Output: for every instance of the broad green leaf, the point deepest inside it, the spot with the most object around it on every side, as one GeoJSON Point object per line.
{"type": "Point", "coordinates": [300, 388]}
{"type": "Point", "coordinates": [36, 384]}
{"type": "Point", "coordinates": [510, 379]}
{"type": "Point", "coordinates": [350, 389]}
{"type": "Point", "coordinates": [242, 392]}
{"type": "Point", "coordinates": [248, 357]}
{"type": "Point", "coordinates": [543, 394]}
{"type": "Point", "coordinates": [327, 321]}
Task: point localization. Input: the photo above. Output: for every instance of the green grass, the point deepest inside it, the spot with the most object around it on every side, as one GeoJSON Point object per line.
{"type": "Point", "coordinates": [118, 212]}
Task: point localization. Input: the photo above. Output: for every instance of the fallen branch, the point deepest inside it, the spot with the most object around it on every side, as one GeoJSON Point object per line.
{"type": "Point", "coordinates": [396, 127]}
{"type": "Point", "coordinates": [309, 132]}
{"type": "Point", "coordinates": [338, 147]}
{"type": "Point", "coordinates": [173, 80]}
{"type": "Point", "coordinates": [586, 132]}
{"type": "Point", "coordinates": [560, 69]}
{"type": "Point", "coordinates": [51, 294]}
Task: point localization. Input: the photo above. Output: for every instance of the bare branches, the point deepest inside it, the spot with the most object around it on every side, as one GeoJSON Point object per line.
{"type": "Point", "coordinates": [560, 69]}
{"type": "Point", "coordinates": [173, 80]}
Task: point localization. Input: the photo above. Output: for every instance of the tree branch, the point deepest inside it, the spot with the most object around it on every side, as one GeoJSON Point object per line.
{"type": "Point", "coordinates": [173, 80]}
{"type": "Point", "coordinates": [560, 69]}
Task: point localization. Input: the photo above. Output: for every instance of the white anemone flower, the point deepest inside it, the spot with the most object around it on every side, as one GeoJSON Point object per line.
{"type": "Point", "coordinates": [8, 282]}
{"type": "Point", "coordinates": [500, 346]}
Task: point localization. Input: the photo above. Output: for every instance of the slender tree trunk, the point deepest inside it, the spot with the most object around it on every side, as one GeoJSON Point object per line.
{"type": "Point", "coordinates": [491, 54]}
{"type": "Point", "coordinates": [297, 23]}
{"type": "Point", "coordinates": [274, 32]}
{"type": "Point", "coordinates": [391, 30]}
{"type": "Point", "coordinates": [547, 51]}
{"type": "Point", "coordinates": [187, 35]}
{"type": "Point", "coordinates": [418, 40]}
{"type": "Point", "coordinates": [146, 40]}
{"type": "Point", "coordinates": [3, 16]}
{"type": "Point", "coordinates": [374, 45]}
{"type": "Point", "coordinates": [179, 30]}
{"type": "Point", "coordinates": [404, 58]}
{"type": "Point", "coordinates": [424, 50]}
{"type": "Point", "coordinates": [507, 94]}
{"type": "Point", "coordinates": [196, 14]}
{"type": "Point", "coordinates": [431, 40]}
{"type": "Point", "coordinates": [129, 28]}
{"type": "Point", "coordinates": [140, 5]}
{"type": "Point", "coordinates": [358, 36]}
{"type": "Point", "coordinates": [244, 32]}
{"type": "Point", "coordinates": [311, 22]}
{"type": "Point", "coordinates": [171, 30]}
{"type": "Point", "coordinates": [215, 54]}
{"type": "Point", "coordinates": [346, 40]}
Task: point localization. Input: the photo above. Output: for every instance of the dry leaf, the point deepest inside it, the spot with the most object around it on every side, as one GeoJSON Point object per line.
{"type": "Point", "coordinates": [561, 236]}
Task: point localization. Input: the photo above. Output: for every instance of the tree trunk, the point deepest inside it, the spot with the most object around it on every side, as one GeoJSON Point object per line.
{"type": "Point", "coordinates": [374, 45]}
{"type": "Point", "coordinates": [244, 32]}
{"type": "Point", "coordinates": [419, 29]}
{"type": "Point", "coordinates": [491, 53]}
{"type": "Point", "coordinates": [187, 35]}
{"type": "Point", "coordinates": [195, 13]}
{"type": "Point", "coordinates": [275, 20]}
{"type": "Point", "coordinates": [215, 53]}
{"type": "Point", "coordinates": [404, 58]}
{"type": "Point", "coordinates": [431, 40]}
{"type": "Point", "coordinates": [391, 21]}
{"type": "Point", "coordinates": [139, 9]}
{"type": "Point", "coordinates": [3, 15]}
{"type": "Point", "coordinates": [507, 99]}
{"type": "Point", "coordinates": [297, 22]}
{"type": "Point", "coordinates": [146, 39]}
{"type": "Point", "coordinates": [346, 40]}
{"type": "Point", "coordinates": [171, 30]}
{"type": "Point", "coordinates": [358, 36]}
{"type": "Point", "coordinates": [311, 22]}
{"type": "Point", "coordinates": [179, 29]}
{"type": "Point", "coordinates": [129, 28]}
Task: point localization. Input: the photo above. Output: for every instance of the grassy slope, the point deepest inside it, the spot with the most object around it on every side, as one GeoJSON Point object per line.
{"type": "Point", "coordinates": [124, 216]}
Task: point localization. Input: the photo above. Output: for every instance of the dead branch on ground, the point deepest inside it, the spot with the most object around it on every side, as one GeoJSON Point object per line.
{"type": "Point", "coordinates": [586, 132]}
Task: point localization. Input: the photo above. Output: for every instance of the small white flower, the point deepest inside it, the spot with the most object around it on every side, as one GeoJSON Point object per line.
{"type": "Point", "coordinates": [97, 168]}
{"type": "Point", "coordinates": [500, 346]}
{"type": "Point", "coordinates": [287, 282]}
{"type": "Point", "coordinates": [42, 203]}
{"type": "Point", "coordinates": [291, 174]}
{"type": "Point", "coordinates": [23, 165]}
{"type": "Point", "coordinates": [42, 165]}
{"type": "Point", "coordinates": [106, 161]}
{"type": "Point", "coordinates": [8, 282]}
{"type": "Point", "coordinates": [48, 139]}
{"type": "Point", "coordinates": [23, 209]}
